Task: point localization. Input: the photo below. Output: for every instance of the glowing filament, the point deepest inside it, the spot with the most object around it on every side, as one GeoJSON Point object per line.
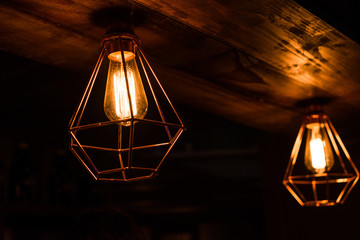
{"type": "Point", "coordinates": [317, 154]}
{"type": "Point", "coordinates": [122, 104]}
{"type": "Point", "coordinates": [124, 94]}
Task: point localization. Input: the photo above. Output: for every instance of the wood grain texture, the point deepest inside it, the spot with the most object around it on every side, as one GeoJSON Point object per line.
{"type": "Point", "coordinates": [250, 61]}
{"type": "Point", "coordinates": [280, 33]}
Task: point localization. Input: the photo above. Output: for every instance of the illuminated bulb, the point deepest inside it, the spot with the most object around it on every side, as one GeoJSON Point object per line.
{"type": "Point", "coordinates": [116, 101]}
{"type": "Point", "coordinates": [318, 153]}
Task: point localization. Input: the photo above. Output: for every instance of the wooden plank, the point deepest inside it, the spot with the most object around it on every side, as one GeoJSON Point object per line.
{"type": "Point", "coordinates": [32, 37]}
{"type": "Point", "coordinates": [281, 33]}
{"type": "Point", "coordinates": [253, 72]}
{"type": "Point", "coordinates": [68, 51]}
{"type": "Point", "coordinates": [227, 103]}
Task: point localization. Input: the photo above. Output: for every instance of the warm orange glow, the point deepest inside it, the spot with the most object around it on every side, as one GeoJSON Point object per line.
{"type": "Point", "coordinates": [318, 153]}
{"type": "Point", "coordinates": [122, 105]}
{"type": "Point", "coordinates": [117, 105]}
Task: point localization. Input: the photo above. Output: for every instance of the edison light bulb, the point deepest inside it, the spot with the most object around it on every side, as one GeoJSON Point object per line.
{"type": "Point", "coordinates": [318, 153]}
{"type": "Point", "coordinates": [116, 101]}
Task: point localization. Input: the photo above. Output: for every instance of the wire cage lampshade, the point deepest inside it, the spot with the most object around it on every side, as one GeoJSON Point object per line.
{"type": "Point", "coordinates": [320, 171]}
{"type": "Point", "coordinates": [126, 134]}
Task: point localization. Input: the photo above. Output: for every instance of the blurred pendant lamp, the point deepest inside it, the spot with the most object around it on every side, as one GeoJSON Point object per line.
{"type": "Point", "coordinates": [125, 124]}
{"type": "Point", "coordinates": [320, 171]}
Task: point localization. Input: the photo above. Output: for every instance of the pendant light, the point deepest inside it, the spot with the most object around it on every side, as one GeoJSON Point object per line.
{"type": "Point", "coordinates": [125, 124]}
{"type": "Point", "coordinates": [320, 171]}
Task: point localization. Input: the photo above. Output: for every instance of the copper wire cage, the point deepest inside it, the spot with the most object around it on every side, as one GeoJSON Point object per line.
{"type": "Point", "coordinates": [118, 151]}
{"type": "Point", "coordinates": [328, 187]}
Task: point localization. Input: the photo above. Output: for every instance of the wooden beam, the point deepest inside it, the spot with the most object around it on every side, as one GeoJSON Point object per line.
{"type": "Point", "coordinates": [250, 61]}
{"type": "Point", "coordinates": [228, 103]}
{"type": "Point", "coordinates": [33, 37]}
{"type": "Point", "coordinates": [281, 33]}
{"type": "Point", "coordinates": [30, 36]}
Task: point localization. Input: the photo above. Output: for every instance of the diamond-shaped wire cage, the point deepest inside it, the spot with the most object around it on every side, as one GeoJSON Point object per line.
{"type": "Point", "coordinates": [131, 148]}
{"type": "Point", "coordinates": [329, 177]}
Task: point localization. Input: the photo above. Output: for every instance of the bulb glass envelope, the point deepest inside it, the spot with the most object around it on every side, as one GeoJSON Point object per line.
{"type": "Point", "coordinates": [320, 171]}
{"type": "Point", "coordinates": [119, 144]}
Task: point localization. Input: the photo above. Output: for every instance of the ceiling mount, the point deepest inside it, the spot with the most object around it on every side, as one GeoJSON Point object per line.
{"type": "Point", "coordinates": [119, 19]}
{"type": "Point", "coordinates": [319, 101]}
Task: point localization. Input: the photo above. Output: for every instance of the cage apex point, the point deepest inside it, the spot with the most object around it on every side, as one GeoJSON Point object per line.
{"type": "Point", "coordinates": [127, 135]}
{"type": "Point", "coordinates": [320, 171]}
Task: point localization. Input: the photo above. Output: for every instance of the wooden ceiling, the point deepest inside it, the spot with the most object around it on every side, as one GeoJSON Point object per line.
{"type": "Point", "coordinates": [248, 61]}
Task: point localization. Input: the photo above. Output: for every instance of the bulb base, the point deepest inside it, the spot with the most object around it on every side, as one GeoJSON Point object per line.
{"type": "Point", "coordinates": [314, 109]}
{"type": "Point", "coordinates": [120, 42]}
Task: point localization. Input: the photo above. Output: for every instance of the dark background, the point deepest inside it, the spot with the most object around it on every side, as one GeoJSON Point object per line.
{"type": "Point", "coordinates": [221, 181]}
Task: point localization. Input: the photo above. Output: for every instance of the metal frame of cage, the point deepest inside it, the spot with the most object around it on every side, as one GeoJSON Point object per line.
{"type": "Point", "coordinates": [75, 126]}
{"type": "Point", "coordinates": [316, 179]}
